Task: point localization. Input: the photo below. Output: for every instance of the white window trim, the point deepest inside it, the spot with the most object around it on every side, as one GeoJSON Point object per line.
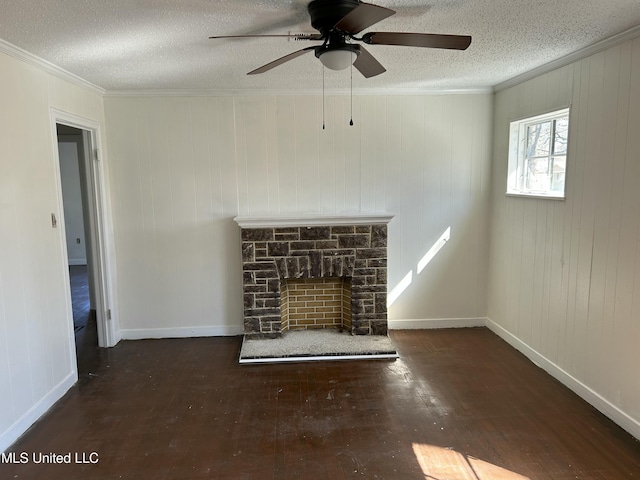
{"type": "Point", "coordinates": [516, 154]}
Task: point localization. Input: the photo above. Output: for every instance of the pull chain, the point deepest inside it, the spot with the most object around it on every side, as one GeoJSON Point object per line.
{"type": "Point", "coordinates": [323, 96]}
{"type": "Point", "coordinates": [351, 120]}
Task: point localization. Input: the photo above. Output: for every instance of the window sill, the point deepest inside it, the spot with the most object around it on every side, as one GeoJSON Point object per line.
{"type": "Point", "coordinates": [538, 196]}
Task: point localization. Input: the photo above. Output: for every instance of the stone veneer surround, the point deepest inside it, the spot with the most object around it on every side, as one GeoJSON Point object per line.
{"type": "Point", "coordinates": [271, 255]}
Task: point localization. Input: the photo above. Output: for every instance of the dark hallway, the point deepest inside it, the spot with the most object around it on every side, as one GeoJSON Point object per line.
{"type": "Point", "coordinates": [84, 321]}
{"type": "Point", "coordinates": [79, 296]}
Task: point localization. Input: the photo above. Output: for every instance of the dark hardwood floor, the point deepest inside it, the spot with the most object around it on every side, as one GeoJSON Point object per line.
{"type": "Point", "coordinates": [458, 404]}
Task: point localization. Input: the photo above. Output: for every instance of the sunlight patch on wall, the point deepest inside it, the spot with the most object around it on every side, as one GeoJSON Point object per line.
{"type": "Point", "coordinates": [403, 284]}
{"type": "Point", "coordinates": [399, 288]}
{"type": "Point", "coordinates": [438, 462]}
{"type": "Point", "coordinates": [433, 251]}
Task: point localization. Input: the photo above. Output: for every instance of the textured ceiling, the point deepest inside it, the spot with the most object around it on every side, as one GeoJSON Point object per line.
{"type": "Point", "coordinates": [164, 45]}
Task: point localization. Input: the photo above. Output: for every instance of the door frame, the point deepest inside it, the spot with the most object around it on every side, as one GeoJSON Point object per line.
{"type": "Point", "coordinates": [99, 225]}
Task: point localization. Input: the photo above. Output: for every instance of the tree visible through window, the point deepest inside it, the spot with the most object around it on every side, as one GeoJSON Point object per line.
{"type": "Point", "coordinates": [538, 155]}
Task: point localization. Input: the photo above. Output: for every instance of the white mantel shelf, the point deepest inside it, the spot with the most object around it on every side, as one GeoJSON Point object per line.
{"type": "Point", "coordinates": [313, 220]}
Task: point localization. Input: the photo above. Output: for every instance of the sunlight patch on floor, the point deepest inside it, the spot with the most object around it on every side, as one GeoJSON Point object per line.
{"type": "Point", "coordinates": [439, 463]}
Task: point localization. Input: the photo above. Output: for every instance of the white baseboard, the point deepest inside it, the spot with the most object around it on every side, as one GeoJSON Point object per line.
{"type": "Point", "coordinates": [9, 436]}
{"type": "Point", "coordinates": [625, 421]}
{"type": "Point", "coordinates": [428, 323]}
{"type": "Point", "coordinates": [117, 336]}
{"type": "Point", "coordinates": [181, 332]}
{"type": "Point", "coordinates": [232, 330]}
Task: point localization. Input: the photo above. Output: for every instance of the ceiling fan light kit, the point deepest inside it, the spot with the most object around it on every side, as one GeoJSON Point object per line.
{"type": "Point", "coordinates": [338, 58]}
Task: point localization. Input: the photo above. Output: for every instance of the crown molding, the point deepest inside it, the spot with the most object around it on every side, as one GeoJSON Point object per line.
{"type": "Point", "coordinates": [303, 92]}
{"type": "Point", "coordinates": [31, 59]}
{"type": "Point", "coordinates": [570, 58]}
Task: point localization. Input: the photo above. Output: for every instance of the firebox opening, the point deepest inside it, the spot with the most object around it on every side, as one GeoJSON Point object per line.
{"type": "Point", "coordinates": [312, 303]}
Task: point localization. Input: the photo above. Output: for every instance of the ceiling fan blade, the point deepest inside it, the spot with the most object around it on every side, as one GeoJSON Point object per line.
{"type": "Point", "coordinates": [297, 16]}
{"type": "Point", "coordinates": [363, 16]}
{"type": "Point", "coordinates": [296, 36]}
{"type": "Point", "coordinates": [280, 61]}
{"type": "Point", "coordinates": [367, 65]}
{"type": "Point", "coordinates": [429, 40]}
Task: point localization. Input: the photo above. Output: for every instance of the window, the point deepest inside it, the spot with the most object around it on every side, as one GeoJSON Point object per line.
{"type": "Point", "coordinates": [538, 155]}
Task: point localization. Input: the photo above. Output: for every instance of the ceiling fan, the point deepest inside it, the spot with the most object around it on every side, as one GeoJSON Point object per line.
{"type": "Point", "coordinates": [339, 21]}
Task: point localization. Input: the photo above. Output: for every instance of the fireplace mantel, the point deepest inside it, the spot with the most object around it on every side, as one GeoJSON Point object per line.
{"type": "Point", "coordinates": [313, 220]}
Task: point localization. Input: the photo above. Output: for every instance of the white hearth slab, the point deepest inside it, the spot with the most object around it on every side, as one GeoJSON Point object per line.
{"type": "Point", "coordinates": [316, 344]}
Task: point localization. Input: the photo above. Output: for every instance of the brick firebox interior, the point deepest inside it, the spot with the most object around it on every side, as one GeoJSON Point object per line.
{"type": "Point", "coordinates": [316, 303]}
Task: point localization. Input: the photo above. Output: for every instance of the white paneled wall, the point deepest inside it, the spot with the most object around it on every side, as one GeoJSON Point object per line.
{"type": "Point", "coordinates": [37, 364]}
{"type": "Point", "coordinates": [183, 167]}
{"type": "Point", "coordinates": [565, 275]}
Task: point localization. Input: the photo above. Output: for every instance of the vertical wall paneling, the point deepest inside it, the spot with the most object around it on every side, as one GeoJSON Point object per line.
{"type": "Point", "coordinates": [36, 330]}
{"type": "Point", "coordinates": [286, 122]}
{"type": "Point", "coordinates": [411, 165]}
{"type": "Point", "coordinates": [369, 127]}
{"type": "Point", "coordinates": [562, 274]}
{"type": "Point", "coordinates": [327, 152]}
{"type": "Point", "coordinates": [196, 162]}
{"type": "Point", "coordinates": [396, 269]}
{"type": "Point", "coordinates": [306, 136]}
{"type": "Point", "coordinates": [354, 162]}
{"type": "Point", "coordinates": [432, 222]}
{"type": "Point", "coordinates": [630, 354]}
{"type": "Point", "coordinates": [616, 256]}
{"type": "Point", "coordinates": [185, 289]}
{"type": "Point", "coordinates": [8, 412]}
{"type": "Point", "coordinates": [240, 112]}
{"type": "Point", "coordinates": [272, 155]}
{"type": "Point", "coordinates": [603, 172]}
{"type": "Point", "coordinates": [204, 236]}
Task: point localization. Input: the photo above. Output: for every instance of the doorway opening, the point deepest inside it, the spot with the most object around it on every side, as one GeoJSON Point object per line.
{"type": "Point", "coordinates": [82, 208]}
{"type": "Point", "coordinates": [76, 190]}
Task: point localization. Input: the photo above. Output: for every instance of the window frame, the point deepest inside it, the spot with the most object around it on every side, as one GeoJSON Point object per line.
{"type": "Point", "coordinates": [517, 159]}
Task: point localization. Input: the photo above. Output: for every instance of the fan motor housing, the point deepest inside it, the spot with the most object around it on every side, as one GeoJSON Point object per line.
{"type": "Point", "coordinates": [326, 13]}
{"type": "Point", "coordinates": [344, 46]}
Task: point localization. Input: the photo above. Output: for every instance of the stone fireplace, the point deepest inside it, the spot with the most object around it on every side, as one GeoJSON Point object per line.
{"type": "Point", "coordinates": [314, 272]}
